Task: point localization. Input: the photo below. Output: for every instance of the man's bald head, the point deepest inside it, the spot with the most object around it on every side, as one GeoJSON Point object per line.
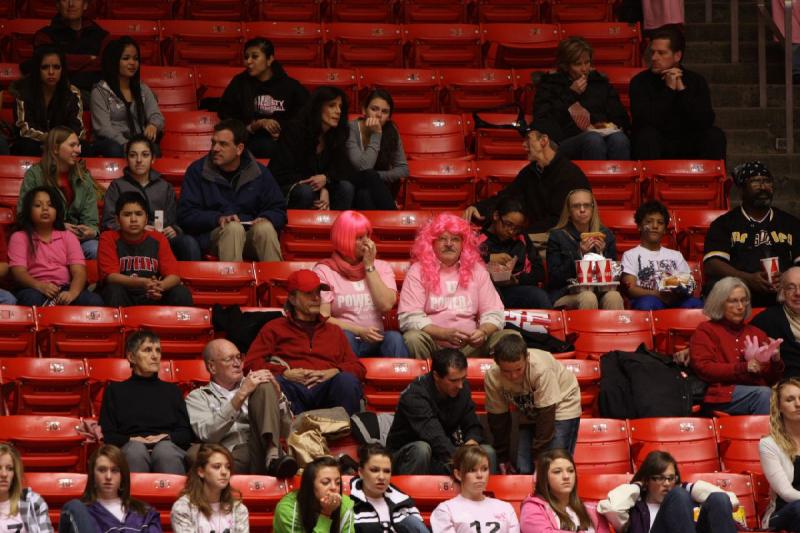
{"type": "Point", "coordinates": [223, 361]}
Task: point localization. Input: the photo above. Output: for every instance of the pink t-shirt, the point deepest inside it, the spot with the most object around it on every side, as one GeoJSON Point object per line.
{"type": "Point", "coordinates": [10, 524]}
{"type": "Point", "coordinates": [460, 515]}
{"type": "Point", "coordinates": [351, 301]}
{"type": "Point", "coordinates": [454, 307]}
{"type": "Point", "coordinates": [51, 260]}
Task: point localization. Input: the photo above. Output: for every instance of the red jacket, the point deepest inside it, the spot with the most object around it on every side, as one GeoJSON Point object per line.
{"type": "Point", "coordinates": [717, 357]}
{"type": "Point", "coordinates": [284, 338]}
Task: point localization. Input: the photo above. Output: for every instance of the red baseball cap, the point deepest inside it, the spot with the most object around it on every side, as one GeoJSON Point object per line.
{"type": "Point", "coordinates": [306, 281]}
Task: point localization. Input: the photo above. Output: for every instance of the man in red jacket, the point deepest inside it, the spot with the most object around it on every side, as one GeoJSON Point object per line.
{"type": "Point", "coordinates": [320, 369]}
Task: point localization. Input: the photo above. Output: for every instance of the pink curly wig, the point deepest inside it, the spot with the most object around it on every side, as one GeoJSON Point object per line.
{"type": "Point", "coordinates": [423, 250]}
{"type": "Point", "coordinates": [348, 227]}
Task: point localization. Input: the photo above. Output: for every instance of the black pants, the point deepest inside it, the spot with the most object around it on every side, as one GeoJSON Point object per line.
{"type": "Point", "coordinates": [371, 192]}
{"type": "Point", "coordinates": [115, 295]}
{"type": "Point", "coordinates": [650, 143]}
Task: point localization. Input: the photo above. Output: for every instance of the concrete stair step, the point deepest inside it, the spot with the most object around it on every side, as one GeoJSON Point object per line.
{"type": "Point", "coordinates": [720, 11]}
{"type": "Point", "coordinates": [746, 95]}
{"type": "Point", "coordinates": [743, 118]}
{"type": "Point", "coordinates": [720, 52]}
{"type": "Point", "coordinates": [719, 31]}
{"type": "Point", "coordinates": [756, 141]}
{"type": "Point", "coordinates": [742, 73]}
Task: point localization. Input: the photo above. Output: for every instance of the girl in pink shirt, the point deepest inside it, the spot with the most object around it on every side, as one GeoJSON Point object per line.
{"type": "Point", "coordinates": [361, 289]}
{"type": "Point", "coordinates": [45, 259]}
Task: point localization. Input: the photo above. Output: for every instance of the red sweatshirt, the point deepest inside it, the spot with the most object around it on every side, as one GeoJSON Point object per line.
{"type": "Point", "coordinates": [717, 356]}
{"type": "Point", "coordinates": [283, 338]}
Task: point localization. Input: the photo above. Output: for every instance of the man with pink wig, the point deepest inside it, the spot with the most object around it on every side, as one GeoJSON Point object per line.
{"type": "Point", "coordinates": [448, 299]}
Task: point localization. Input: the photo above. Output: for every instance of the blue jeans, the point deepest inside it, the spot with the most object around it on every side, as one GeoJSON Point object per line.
{"type": "Point", "coordinates": [6, 298]}
{"type": "Point", "coordinates": [185, 248]}
{"type": "Point", "coordinates": [342, 390]}
{"type": "Point", "coordinates": [676, 514]}
{"type": "Point", "coordinates": [564, 438]}
{"type": "Point", "coordinates": [787, 518]}
{"type": "Point", "coordinates": [75, 518]}
{"type": "Point", "coordinates": [90, 248]}
{"type": "Point", "coordinates": [653, 303]}
{"type": "Point", "coordinates": [524, 297]}
{"type": "Point", "coordinates": [31, 297]}
{"type": "Point", "coordinates": [591, 146]}
{"type": "Point", "coordinates": [392, 345]}
{"type": "Point", "coordinates": [303, 197]}
{"type": "Point", "coordinates": [416, 458]}
{"type": "Point", "coordinates": [746, 400]}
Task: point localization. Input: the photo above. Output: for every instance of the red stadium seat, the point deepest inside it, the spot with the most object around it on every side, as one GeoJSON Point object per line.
{"type": "Point", "coordinates": [596, 487]}
{"type": "Point", "coordinates": [6, 9]}
{"type": "Point", "coordinates": [147, 34]}
{"type": "Point", "coordinates": [56, 488]}
{"type": "Point", "coordinates": [189, 374]}
{"type": "Point", "coordinates": [158, 490]}
{"type": "Point", "coordinates": [9, 192]}
{"type": "Point", "coordinates": [431, 135]}
{"type": "Point", "coordinates": [172, 169]}
{"type": "Point", "coordinates": [306, 235]}
{"type": "Point", "coordinates": [17, 330]}
{"type": "Point", "coordinates": [762, 492]}
{"type": "Point", "coordinates": [42, 9]}
{"type": "Point", "coordinates": [738, 438]}
{"type": "Point", "coordinates": [77, 332]}
{"type": "Point", "coordinates": [467, 90]}
{"type": "Point", "coordinates": [513, 45]}
{"type": "Point", "coordinates": [600, 331]}
{"type": "Point", "coordinates": [693, 184]}
{"type": "Point", "coordinates": [672, 328]}
{"type": "Point", "coordinates": [692, 226]}
{"type": "Point", "coordinates": [174, 87]}
{"type": "Point", "coordinates": [614, 43]}
{"type": "Point", "coordinates": [187, 133]}
{"type": "Point", "coordinates": [297, 43]}
{"type": "Point", "coordinates": [413, 90]}
{"type": "Point", "coordinates": [46, 443]}
{"type": "Point", "coordinates": [550, 321]}
{"type": "Point", "coordinates": [288, 10]}
{"type": "Point", "coordinates": [271, 279]}
{"type": "Point", "coordinates": [621, 223]}
{"type": "Point", "coordinates": [215, 9]}
{"type": "Point", "coordinates": [343, 78]}
{"type": "Point", "coordinates": [561, 11]}
{"type": "Point", "coordinates": [18, 37]}
{"type": "Point", "coordinates": [104, 170]}
{"type": "Point", "coordinates": [443, 45]}
{"type": "Point", "coordinates": [102, 371]}
{"type": "Point", "coordinates": [365, 44]}
{"type": "Point", "coordinates": [588, 374]}
{"type": "Point", "coordinates": [394, 231]}
{"type": "Point", "coordinates": [602, 447]}
{"type": "Point", "coordinates": [494, 175]}
{"type": "Point", "coordinates": [6, 217]}
{"type": "Point", "coordinates": [620, 79]}
{"type": "Point", "coordinates": [511, 488]}
{"type": "Point", "coordinates": [526, 81]}
{"type": "Point", "coordinates": [495, 143]}
{"type": "Point", "coordinates": [211, 83]}
{"type": "Point", "coordinates": [476, 370]}
{"type": "Point", "coordinates": [260, 494]}
{"type": "Point", "coordinates": [739, 484]}
{"type": "Point", "coordinates": [225, 283]}
{"type": "Point", "coordinates": [614, 183]}
{"type": "Point", "coordinates": [184, 331]}
{"type": "Point", "coordinates": [41, 386]}
{"type": "Point", "coordinates": [438, 11]}
{"type": "Point", "coordinates": [508, 11]}
{"type": "Point", "coordinates": [387, 377]}
{"type": "Point", "coordinates": [143, 9]}
{"type": "Point", "coordinates": [197, 42]}
{"type": "Point", "coordinates": [426, 491]}
{"type": "Point", "coordinates": [440, 184]}
{"type": "Point", "coordinates": [691, 441]}
{"type": "Point", "coordinates": [362, 11]}
{"type": "Point", "coordinates": [9, 73]}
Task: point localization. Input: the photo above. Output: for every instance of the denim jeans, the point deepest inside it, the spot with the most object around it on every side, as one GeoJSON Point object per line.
{"type": "Point", "coordinates": [676, 514]}
{"type": "Point", "coordinates": [89, 248]}
{"type": "Point", "coordinates": [416, 458]}
{"type": "Point", "coordinates": [185, 248]}
{"type": "Point", "coordinates": [6, 298]}
{"type": "Point", "coordinates": [342, 390]}
{"type": "Point", "coordinates": [591, 146]}
{"type": "Point", "coordinates": [303, 197]}
{"type": "Point", "coordinates": [524, 297]}
{"type": "Point", "coordinates": [564, 437]}
{"type": "Point", "coordinates": [653, 303]}
{"type": "Point", "coordinates": [788, 518]}
{"type": "Point", "coordinates": [392, 345]}
{"type": "Point", "coordinates": [33, 297]}
{"type": "Point", "coordinates": [746, 400]}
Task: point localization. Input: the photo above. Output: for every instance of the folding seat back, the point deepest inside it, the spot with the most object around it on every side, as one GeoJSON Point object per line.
{"type": "Point", "coordinates": [440, 184]}
{"type": "Point", "coordinates": [173, 86]}
{"type": "Point", "coordinates": [622, 224]}
{"type": "Point", "coordinates": [172, 169]}
{"type": "Point", "coordinates": [672, 328]}
{"type": "Point", "coordinates": [600, 331]}
{"type": "Point", "coordinates": [343, 78]}
{"type": "Point", "coordinates": [148, 36]}
{"type": "Point", "coordinates": [271, 277]}
{"type": "Point", "coordinates": [588, 374]}
{"type": "Point", "coordinates": [6, 218]}
{"type": "Point", "coordinates": [365, 44]}
{"type": "Point", "coordinates": [413, 90]}
{"type": "Point", "coordinates": [9, 192]}
{"type": "Point", "coordinates": [511, 488]}
{"type": "Point", "coordinates": [46, 443]}
{"type": "Point", "coordinates": [225, 283]}
{"type": "Point", "coordinates": [9, 73]}
{"type": "Point", "coordinates": [300, 43]}
{"type": "Point", "coordinates": [288, 10]}
{"type": "Point", "coordinates": [188, 133]}
{"type": "Point", "coordinates": [476, 370]}
{"type": "Point", "coordinates": [691, 441]}
{"type": "Point", "coordinates": [427, 491]}
{"type": "Point", "coordinates": [6, 9]}
{"type": "Point", "coordinates": [516, 44]}
{"type": "Point", "coordinates": [762, 492]}
{"type": "Point", "coordinates": [184, 331]}
{"type": "Point", "coordinates": [438, 11]}
{"type": "Point", "coordinates": [190, 374]}
{"type": "Point", "coordinates": [159, 490]}
{"type": "Point", "coordinates": [34, 385]}
{"type": "Point", "coordinates": [550, 321]}
{"type": "Point", "coordinates": [56, 488]}
{"type": "Point", "coordinates": [692, 226]}
{"type": "Point", "coordinates": [615, 184]}
{"type": "Point", "coordinates": [143, 9]}
{"type": "Point", "coordinates": [42, 9]}
{"type": "Point", "coordinates": [211, 84]}
{"type": "Point", "coordinates": [738, 438]}
{"type": "Point", "coordinates": [17, 330]}
{"type": "Point", "coordinates": [197, 42]}
{"type": "Point", "coordinates": [561, 11]}
{"type": "Point", "coordinates": [494, 175]}
{"type": "Point", "coordinates": [614, 43]}
{"type": "Point", "coordinates": [79, 331]}
{"type": "Point", "coordinates": [104, 171]}
{"type": "Point", "coordinates": [387, 377]}
{"type": "Point", "coordinates": [215, 9]}
{"type": "Point", "coordinates": [596, 487]}
{"type": "Point", "coordinates": [692, 184]}
{"type": "Point", "coordinates": [602, 447]}
{"type": "Point", "coordinates": [260, 494]}
{"type": "Point", "coordinates": [739, 484]}
{"type": "Point", "coordinates": [382, 11]}
{"type": "Point", "coordinates": [508, 11]}
{"type": "Point", "coordinates": [101, 371]}
{"type": "Point", "coordinates": [18, 37]}
{"type": "Point", "coordinates": [443, 45]}
{"type": "Point", "coordinates": [526, 81]}
{"type": "Point", "coordinates": [499, 143]}
{"type": "Point", "coordinates": [467, 90]}
{"type": "Point", "coordinates": [394, 231]}
{"type": "Point", "coordinates": [306, 235]}
{"type": "Point", "coordinates": [431, 135]}
{"type": "Point", "coordinates": [620, 79]}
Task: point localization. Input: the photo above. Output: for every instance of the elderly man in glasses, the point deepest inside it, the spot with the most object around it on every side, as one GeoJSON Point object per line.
{"type": "Point", "coordinates": [782, 321]}
{"type": "Point", "coordinates": [244, 413]}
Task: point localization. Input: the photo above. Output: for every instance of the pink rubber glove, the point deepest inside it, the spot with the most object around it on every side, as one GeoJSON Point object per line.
{"type": "Point", "coordinates": [763, 353]}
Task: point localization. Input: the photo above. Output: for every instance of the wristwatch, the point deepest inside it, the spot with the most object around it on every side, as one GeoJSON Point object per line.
{"type": "Point", "coordinates": [370, 269]}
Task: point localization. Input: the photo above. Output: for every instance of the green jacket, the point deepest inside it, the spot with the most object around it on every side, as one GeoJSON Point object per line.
{"type": "Point", "coordinates": [287, 518]}
{"type": "Point", "coordinates": [84, 206]}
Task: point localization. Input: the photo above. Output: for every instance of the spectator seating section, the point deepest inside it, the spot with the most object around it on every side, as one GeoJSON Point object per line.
{"type": "Point", "coordinates": [189, 374]}
{"type": "Point", "coordinates": [18, 38]}
{"type": "Point", "coordinates": [78, 331]}
{"type": "Point", "coordinates": [603, 447]}
{"type": "Point", "coordinates": [510, 488]}
{"type": "Point", "coordinates": [174, 87]}
{"type": "Point", "coordinates": [387, 377]}
{"type": "Point", "coordinates": [440, 184]}
{"type": "Point", "coordinates": [494, 175]}
{"type": "Point", "coordinates": [691, 441]}
{"type": "Point", "coordinates": [614, 43]}
{"type": "Point", "coordinates": [172, 169]}
{"type": "Point", "coordinates": [214, 9]}
{"type": "Point", "coordinates": [600, 331]}
{"type": "Point", "coordinates": [361, 44]}
{"type": "Point", "coordinates": [17, 331]}
{"type": "Point", "coordinates": [498, 143]}
{"type": "Point", "coordinates": [183, 331]}
{"type": "Point", "coordinates": [343, 78]}
{"type": "Point", "coordinates": [297, 43]}
{"type": "Point", "coordinates": [476, 370]}
{"type": "Point", "coordinates": [516, 44]}
{"type": "Point", "coordinates": [271, 279]}
{"type": "Point", "coordinates": [626, 232]}
{"type": "Point", "coordinates": [101, 371]}
{"type": "Point", "coordinates": [188, 134]}
{"type": "Point", "coordinates": [413, 90]}
{"type": "Point", "coordinates": [696, 184]}
{"type": "Point", "coordinates": [211, 83]}
{"type": "Point", "coordinates": [442, 45]}
{"type": "Point", "coordinates": [382, 11]}
{"type": "Point", "coordinates": [143, 9]}
{"type": "Point", "coordinates": [217, 282]}
{"type": "Point", "coordinates": [587, 372]}
{"type": "Point", "coordinates": [692, 226]}
{"type": "Point", "coordinates": [672, 328]}
{"type": "Point", "coordinates": [427, 491]}
{"type": "Point", "coordinates": [159, 490]}
{"type": "Point", "coordinates": [614, 183]}
{"type": "Point", "coordinates": [578, 10]}
{"type": "Point", "coordinates": [57, 488]}
{"type": "Point", "coordinates": [508, 11]}
{"type": "Point", "coordinates": [260, 494]}
{"type": "Point", "coordinates": [596, 487]}
{"type": "Point", "coordinates": [737, 438]}
{"type": "Point", "coordinates": [197, 42]}
{"type": "Point", "coordinates": [43, 386]}
{"type": "Point", "coordinates": [427, 136]}
{"type": "Point", "coordinates": [620, 79]}
{"type": "Point", "coordinates": [46, 443]}
{"type": "Point", "coordinates": [147, 34]}
{"type": "Point", "coordinates": [433, 11]}
{"type": "Point", "coordinates": [467, 90]}
{"type": "Point", "coordinates": [739, 484]}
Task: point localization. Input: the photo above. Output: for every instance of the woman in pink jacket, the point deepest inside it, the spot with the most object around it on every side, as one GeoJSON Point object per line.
{"type": "Point", "coordinates": [555, 506]}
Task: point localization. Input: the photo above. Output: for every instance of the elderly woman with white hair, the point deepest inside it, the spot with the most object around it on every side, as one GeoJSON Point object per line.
{"type": "Point", "coordinates": [737, 360]}
{"type": "Point", "coordinates": [782, 321]}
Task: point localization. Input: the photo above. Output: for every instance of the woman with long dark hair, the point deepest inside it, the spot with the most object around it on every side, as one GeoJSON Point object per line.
{"type": "Point", "coordinates": [311, 163]}
{"type": "Point", "coordinates": [123, 106]}
{"type": "Point", "coordinates": [318, 506]}
{"type": "Point", "coordinates": [45, 99]}
{"type": "Point", "coordinates": [375, 148]}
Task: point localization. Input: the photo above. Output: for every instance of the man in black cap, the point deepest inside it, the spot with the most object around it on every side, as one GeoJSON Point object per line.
{"type": "Point", "coordinates": [542, 185]}
{"type": "Point", "coordinates": [737, 241]}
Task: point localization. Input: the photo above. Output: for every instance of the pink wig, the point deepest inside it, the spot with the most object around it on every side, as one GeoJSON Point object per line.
{"type": "Point", "coordinates": [348, 227]}
{"type": "Point", "coordinates": [424, 253]}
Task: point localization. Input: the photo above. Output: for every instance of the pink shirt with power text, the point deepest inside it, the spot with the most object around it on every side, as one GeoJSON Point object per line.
{"type": "Point", "coordinates": [51, 260]}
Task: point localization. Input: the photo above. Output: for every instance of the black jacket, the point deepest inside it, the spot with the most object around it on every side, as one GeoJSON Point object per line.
{"type": "Point", "coordinates": [444, 423]}
{"type": "Point", "coordinates": [554, 97]}
{"type": "Point", "coordinates": [83, 49]}
{"type": "Point", "coordinates": [774, 323]}
{"type": "Point", "coordinates": [246, 98]}
{"type": "Point", "coordinates": [543, 192]}
{"type": "Point", "coordinates": [32, 119]}
{"type": "Point", "coordinates": [401, 508]}
{"type": "Point", "coordinates": [673, 113]}
{"type": "Point", "coordinates": [529, 263]}
{"type": "Point", "coordinates": [563, 249]}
